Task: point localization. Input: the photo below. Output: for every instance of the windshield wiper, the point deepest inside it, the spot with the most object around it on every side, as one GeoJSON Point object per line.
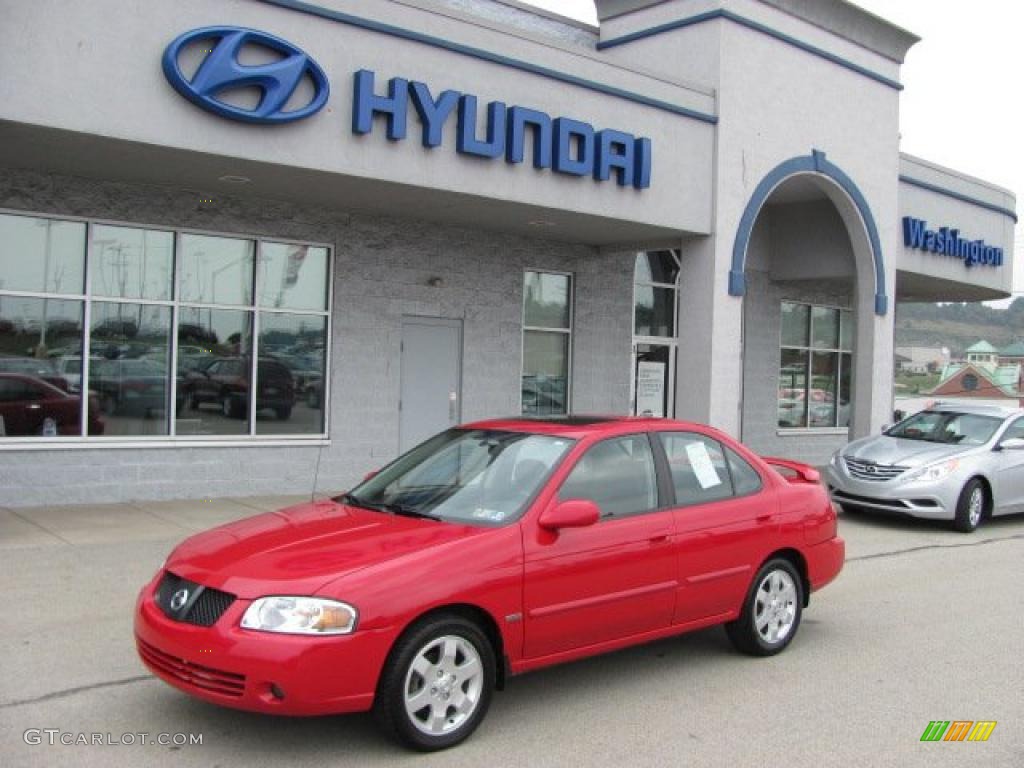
{"type": "Point", "coordinates": [355, 501]}
{"type": "Point", "coordinates": [401, 509]}
{"type": "Point", "coordinates": [385, 506]}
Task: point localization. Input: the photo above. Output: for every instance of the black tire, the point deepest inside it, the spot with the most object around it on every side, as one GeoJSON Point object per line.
{"type": "Point", "coordinates": [231, 407]}
{"type": "Point", "coordinates": [284, 412]}
{"type": "Point", "coordinates": [389, 707]}
{"type": "Point", "coordinates": [744, 633]}
{"type": "Point", "coordinates": [967, 519]}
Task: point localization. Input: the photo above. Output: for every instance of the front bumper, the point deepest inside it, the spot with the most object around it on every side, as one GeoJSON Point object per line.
{"type": "Point", "coordinates": [242, 669]}
{"type": "Point", "coordinates": [931, 501]}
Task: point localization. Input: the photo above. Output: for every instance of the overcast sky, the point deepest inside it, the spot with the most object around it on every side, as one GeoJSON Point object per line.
{"type": "Point", "coordinates": [960, 107]}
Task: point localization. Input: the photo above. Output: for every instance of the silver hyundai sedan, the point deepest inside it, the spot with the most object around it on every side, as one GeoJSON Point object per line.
{"type": "Point", "coordinates": [961, 463]}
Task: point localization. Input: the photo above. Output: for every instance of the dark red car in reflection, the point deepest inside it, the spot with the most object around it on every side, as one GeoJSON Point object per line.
{"type": "Point", "coordinates": [489, 550]}
{"type": "Point", "coordinates": [31, 406]}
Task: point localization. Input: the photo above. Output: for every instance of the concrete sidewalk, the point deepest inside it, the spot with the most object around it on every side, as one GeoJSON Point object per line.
{"type": "Point", "coordinates": [88, 524]}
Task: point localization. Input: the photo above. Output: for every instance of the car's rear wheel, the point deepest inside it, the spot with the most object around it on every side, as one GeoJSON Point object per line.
{"type": "Point", "coordinates": [771, 613]}
{"type": "Point", "coordinates": [231, 407]}
{"type": "Point", "coordinates": [970, 507]}
{"type": "Point", "coordinates": [437, 684]}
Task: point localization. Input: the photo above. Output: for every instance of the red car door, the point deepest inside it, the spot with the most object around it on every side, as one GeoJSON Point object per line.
{"type": "Point", "coordinates": [726, 520]}
{"type": "Point", "coordinates": [614, 579]}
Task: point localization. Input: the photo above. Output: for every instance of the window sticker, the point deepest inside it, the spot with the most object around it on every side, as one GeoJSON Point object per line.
{"type": "Point", "coordinates": [701, 464]}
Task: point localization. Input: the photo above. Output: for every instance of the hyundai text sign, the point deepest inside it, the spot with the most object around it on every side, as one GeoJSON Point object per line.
{"type": "Point", "coordinates": [561, 144]}
{"type": "Point", "coordinates": [946, 241]}
{"type": "Point", "coordinates": [221, 72]}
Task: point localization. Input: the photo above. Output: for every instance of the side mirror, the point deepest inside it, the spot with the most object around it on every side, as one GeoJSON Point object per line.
{"type": "Point", "coordinates": [574, 513]}
{"type": "Point", "coordinates": [1012, 444]}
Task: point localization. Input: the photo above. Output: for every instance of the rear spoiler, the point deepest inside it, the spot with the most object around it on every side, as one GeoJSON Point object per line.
{"type": "Point", "coordinates": [804, 472]}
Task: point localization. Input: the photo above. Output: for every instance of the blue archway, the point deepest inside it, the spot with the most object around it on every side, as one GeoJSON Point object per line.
{"type": "Point", "coordinates": [813, 163]}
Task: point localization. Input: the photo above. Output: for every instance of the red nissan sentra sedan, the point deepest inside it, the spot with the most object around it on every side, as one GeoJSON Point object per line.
{"type": "Point", "coordinates": [489, 550]}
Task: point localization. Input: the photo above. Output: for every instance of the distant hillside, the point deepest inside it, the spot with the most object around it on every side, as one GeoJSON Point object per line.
{"type": "Point", "coordinates": [958, 326]}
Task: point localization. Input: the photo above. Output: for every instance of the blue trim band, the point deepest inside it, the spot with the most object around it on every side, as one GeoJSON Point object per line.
{"type": "Point", "coordinates": [962, 198]}
{"type": "Point", "coordinates": [494, 58]}
{"type": "Point", "coordinates": [813, 163]}
{"type": "Point", "coordinates": [757, 27]}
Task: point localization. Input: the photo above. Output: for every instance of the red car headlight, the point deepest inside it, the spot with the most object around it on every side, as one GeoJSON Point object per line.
{"type": "Point", "coordinates": [300, 616]}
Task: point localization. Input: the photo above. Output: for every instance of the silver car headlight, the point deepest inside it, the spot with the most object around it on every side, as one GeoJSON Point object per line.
{"type": "Point", "coordinates": [835, 459]}
{"type": "Point", "coordinates": [934, 472]}
{"type": "Point", "coordinates": [300, 616]}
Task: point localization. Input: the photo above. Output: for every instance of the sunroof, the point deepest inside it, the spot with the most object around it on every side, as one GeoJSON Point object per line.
{"type": "Point", "coordinates": [570, 421]}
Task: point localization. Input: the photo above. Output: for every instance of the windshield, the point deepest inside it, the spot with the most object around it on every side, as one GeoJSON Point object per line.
{"type": "Point", "coordinates": [466, 476]}
{"type": "Point", "coordinates": [947, 427]}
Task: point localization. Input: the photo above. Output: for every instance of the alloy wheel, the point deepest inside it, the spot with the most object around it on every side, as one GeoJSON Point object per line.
{"type": "Point", "coordinates": [443, 685]}
{"type": "Point", "coordinates": [975, 506]}
{"type": "Point", "coordinates": [775, 606]}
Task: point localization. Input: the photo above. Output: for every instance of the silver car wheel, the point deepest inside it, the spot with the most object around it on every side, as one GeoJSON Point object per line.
{"type": "Point", "coordinates": [443, 685]}
{"type": "Point", "coordinates": [975, 506]}
{"type": "Point", "coordinates": [775, 606]}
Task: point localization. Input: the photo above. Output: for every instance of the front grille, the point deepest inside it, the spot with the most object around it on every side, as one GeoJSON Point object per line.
{"type": "Point", "coordinates": [842, 496]}
{"type": "Point", "coordinates": [868, 470]}
{"type": "Point", "coordinates": [202, 606]}
{"type": "Point", "coordinates": [190, 673]}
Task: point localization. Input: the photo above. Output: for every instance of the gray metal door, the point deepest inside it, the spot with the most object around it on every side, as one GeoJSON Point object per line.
{"type": "Point", "coordinates": [431, 378]}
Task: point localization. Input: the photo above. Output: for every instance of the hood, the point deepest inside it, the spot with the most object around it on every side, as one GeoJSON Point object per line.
{"type": "Point", "coordinates": [883, 449]}
{"type": "Point", "coordinates": [297, 550]}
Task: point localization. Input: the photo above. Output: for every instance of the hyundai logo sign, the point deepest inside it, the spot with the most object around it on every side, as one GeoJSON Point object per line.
{"type": "Point", "coordinates": [220, 72]}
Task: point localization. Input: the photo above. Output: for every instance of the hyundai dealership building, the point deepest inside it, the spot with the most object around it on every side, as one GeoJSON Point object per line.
{"type": "Point", "coordinates": [247, 242]}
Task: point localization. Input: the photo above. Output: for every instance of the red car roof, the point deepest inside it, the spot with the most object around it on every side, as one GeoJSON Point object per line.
{"type": "Point", "coordinates": [578, 425]}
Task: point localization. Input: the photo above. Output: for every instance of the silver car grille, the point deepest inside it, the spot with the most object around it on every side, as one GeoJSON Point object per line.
{"type": "Point", "coordinates": [868, 470]}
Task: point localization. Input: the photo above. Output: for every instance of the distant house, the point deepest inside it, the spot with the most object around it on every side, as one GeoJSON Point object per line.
{"type": "Point", "coordinates": [1013, 353]}
{"type": "Point", "coordinates": [920, 359]}
{"type": "Point", "coordinates": [984, 375]}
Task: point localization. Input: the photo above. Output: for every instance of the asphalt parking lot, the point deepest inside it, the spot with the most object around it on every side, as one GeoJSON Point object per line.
{"type": "Point", "coordinates": [923, 624]}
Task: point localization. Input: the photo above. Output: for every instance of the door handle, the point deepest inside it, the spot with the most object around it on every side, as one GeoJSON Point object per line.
{"type": "Point", "coordinates": [660, 539]}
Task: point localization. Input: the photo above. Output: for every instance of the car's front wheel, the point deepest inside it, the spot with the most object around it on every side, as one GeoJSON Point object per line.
{"type": "Point", "coordinates": [437, 684]}
{"type": "Point", "coordinates": [771, 613]}
{"type": "Point", "coordinates": [970, 507]}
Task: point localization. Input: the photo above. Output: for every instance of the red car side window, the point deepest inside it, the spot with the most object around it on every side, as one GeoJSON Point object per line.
{"type": "Point", "coordinates": [618, 475]}
{"type": "Point", "coordinates": [700, 471]}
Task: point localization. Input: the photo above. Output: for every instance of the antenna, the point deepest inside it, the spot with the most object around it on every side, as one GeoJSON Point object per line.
{"type": "Point", "coordinates": [316, 473]}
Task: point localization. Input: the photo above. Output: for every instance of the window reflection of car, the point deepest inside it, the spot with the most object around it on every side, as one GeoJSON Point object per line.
{"type": "Point", "coordinates": [131, 386]}
{"type": "Point", "coordinates": [315, 394]}
{"type": "Point", "coordinates": [306, 371]}
{"type": "Point", "coordinates": [70, 368]}
{"type": "Point", "coordinates": [225, 382]}
{"type": "Point", "coordinates": [38, 368]}
{"type": "Point", "coordinates": [31, 406]}
{"type": "Point", "coordinates": [542, 395]}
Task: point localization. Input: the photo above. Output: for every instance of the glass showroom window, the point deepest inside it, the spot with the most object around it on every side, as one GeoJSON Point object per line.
{"type": "Point", "coordinates": [173, 324]}
{"type": "Point", "coordinates": [816, 366]}
{"type": "Point", "coordinates": [547, 336]}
